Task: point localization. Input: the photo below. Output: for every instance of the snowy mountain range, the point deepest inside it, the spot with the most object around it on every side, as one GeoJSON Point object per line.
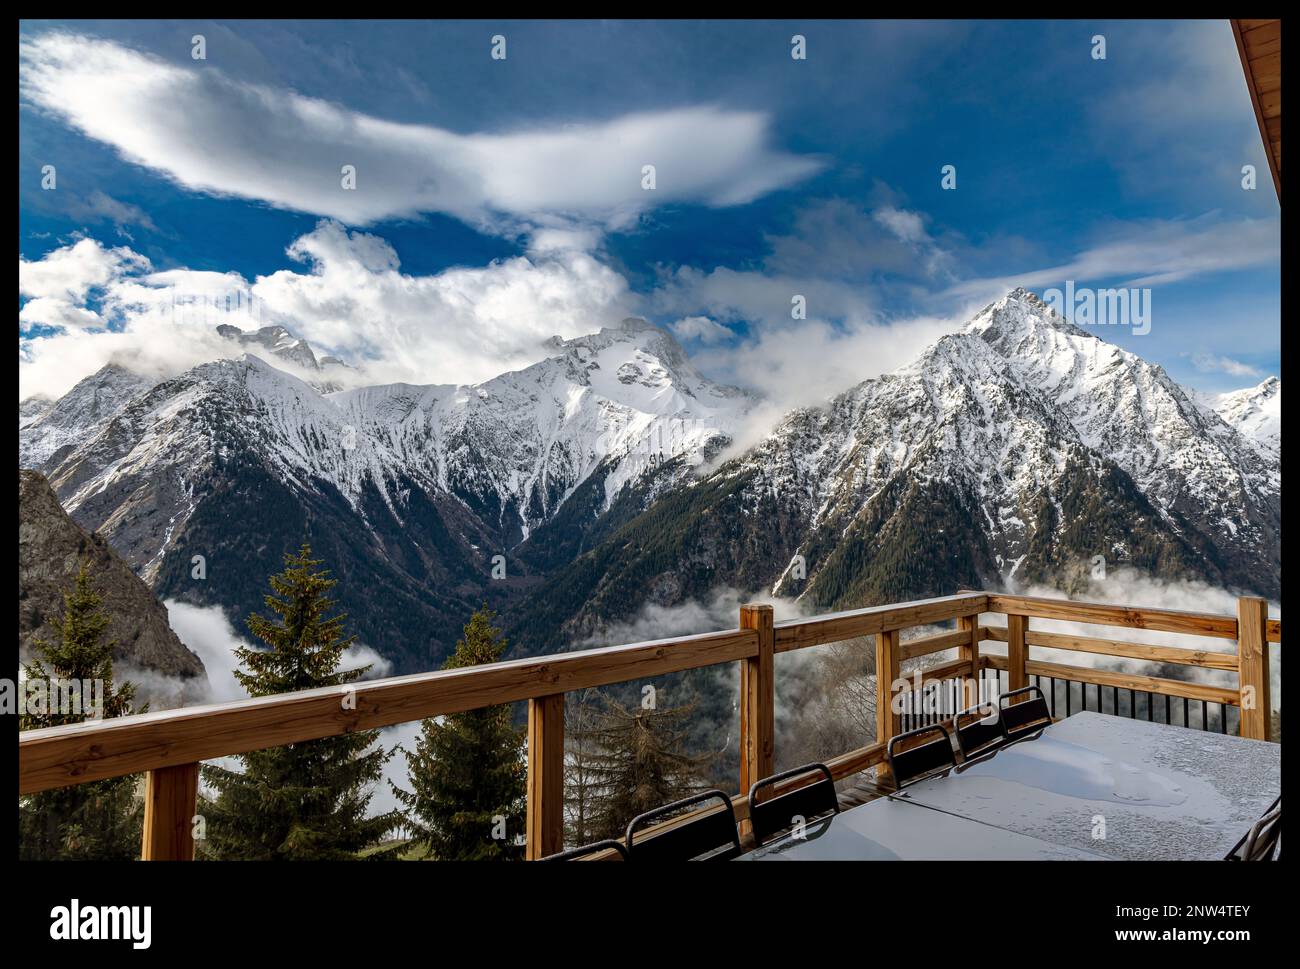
{"type": "Point", "coordinates": [1014, 450]}
{"type": "Point", "coordinates": [414, 488]}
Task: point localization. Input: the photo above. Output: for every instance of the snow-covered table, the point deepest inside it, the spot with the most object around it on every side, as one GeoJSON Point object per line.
{"type": "Point", "coordinates": [1117, 787]}
{"type": "Point", "coordinates": [892, 830]}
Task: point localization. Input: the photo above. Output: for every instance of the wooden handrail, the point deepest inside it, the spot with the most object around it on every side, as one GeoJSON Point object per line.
{"type": "Point", "coordinates": [169, 745]}
{"type": "Point", "coordinates": [99, 749]}
{"type": "Point", "coordinates": [838, 626]}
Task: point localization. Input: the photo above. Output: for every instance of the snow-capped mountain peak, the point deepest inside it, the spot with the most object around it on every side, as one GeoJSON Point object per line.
{"type": "Point", "coordinates": [1254, 412]}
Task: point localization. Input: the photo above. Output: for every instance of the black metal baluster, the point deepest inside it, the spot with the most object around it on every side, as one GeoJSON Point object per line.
{"type": "Point", "coordinates": [1114, 708]}
{"type": "Point", "coordinates": [1223, 717]}
{"type": "Point", "coordinates": [1205, 716]}
{"type": "Point", "coordinates": [1185, 723]}
{"type": "Point", "coordinates": [1132, 705]}
{"type": "Point", "coordinates": [1150, 703]}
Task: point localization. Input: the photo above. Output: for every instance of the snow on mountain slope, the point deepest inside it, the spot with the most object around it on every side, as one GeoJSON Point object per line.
{"type": "Point", "coordinates": [1013, 451]}
{"type": "Point", "coordinates": [1254, 412]}
{"type": "Point", "coordinates": [46, 428]}
{"type": "Point", "coordinates": [511, 449]}
{"type": "Point", "coordinates": [1013, 417]}
{"type": "Point", "coordinates": [1132, 412]}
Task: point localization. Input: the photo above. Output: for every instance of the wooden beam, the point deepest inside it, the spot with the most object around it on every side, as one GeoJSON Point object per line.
{"type": "Point", "coordinates": [836, 627]}
{"type": "Point", "coordinates": [1252, 659]}
{"type": "Point", "coordinates": [1107, 614]}
{"type": "Point", "coordinates": [1203, 658]}
{"type": "Point", "coordinates": [98, 749]}
{"type": "Point", "coordinates": [925, 645]}
{"type": "Point", "coordinates": [758, 699]}
{"type": "Point", "coordinates": [545, 817]}
{"type": "Point", "coordinates": [170, 804]}
{"type": "Point", "coordinates": [1259, 46]}
{"type": "Point", "coordinates": [1125, 681]}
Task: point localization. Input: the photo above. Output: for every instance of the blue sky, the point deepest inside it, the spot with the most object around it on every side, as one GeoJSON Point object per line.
{"type": "Point", "coordinates": [500, 201]}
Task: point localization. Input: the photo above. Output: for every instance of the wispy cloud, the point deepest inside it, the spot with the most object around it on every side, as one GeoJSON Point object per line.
{"type": "Point", "coordinates": [213, 133]}
{"type": "Point", "coordinates": [1147, 254]}
{"type": "Point", "coordinates": [1215, 363]}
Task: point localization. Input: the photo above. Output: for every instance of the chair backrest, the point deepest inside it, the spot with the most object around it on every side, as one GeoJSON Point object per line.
{"type": "Point", "coordinates": [911, 759]}
{"type": "Point", "coordinates": [585, 851]}
{"type": "Point", "coordinates": [712, 834]}
{"type": "Point", "coordinates": [780, 812]}
{"type": "Point", "coordinates": [1263, 841]}
{"type": "Point", "coordinates": [1025, 717]}
{"type": "Point", "coordinates": [979, 730]}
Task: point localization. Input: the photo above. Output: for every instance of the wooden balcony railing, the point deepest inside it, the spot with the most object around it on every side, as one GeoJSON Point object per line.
{"type": "Point", "coordinates": [168, 745]}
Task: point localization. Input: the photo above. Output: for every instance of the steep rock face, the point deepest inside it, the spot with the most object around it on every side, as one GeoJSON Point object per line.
{"type": "Point", "coordinates": [50, 547]}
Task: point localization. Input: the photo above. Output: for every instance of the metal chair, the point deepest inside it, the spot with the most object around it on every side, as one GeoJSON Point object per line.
{"type": "Point", "coordinates": [708, 836]}
{"type": "Point", "coordinates": [979, 730]}
{"type": "Point", "coordinates": [1263, 842]}
{"type": "Point", "coordinates": [585, 851]}
{"type": "Point", "coordinates": [1021, 719]}
{"type": "Point", "coordinates": [777, 814]}
{"type": "Point", "coordinates": [910, 764]}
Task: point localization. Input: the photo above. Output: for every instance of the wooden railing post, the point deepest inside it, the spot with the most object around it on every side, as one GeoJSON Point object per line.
{"type": "Point", "coordinates": [170, 801]}
{"type": "Point", "coordinates": [1017, 651]}
{"type": "Point", "coordinates": [758, 699]}
{"type": "Point", "coordinates": [888, 721]}
{"type": "Point", "coordinates": [545, 818]}
{"type": "Point", "coordinates": [1252, 666]}
{"type": "Point", "coordinates": [970, 653]}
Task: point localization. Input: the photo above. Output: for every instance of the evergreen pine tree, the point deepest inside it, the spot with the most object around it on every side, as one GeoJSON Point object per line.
{"type": "Point", "coordinates": [306, 800]}
{"type": "Point", "coordinates": [97, 821]}
{"type": "Point", "coordinates": [637, 760]}
{"type": "Point", "coordinates": [468, 774]}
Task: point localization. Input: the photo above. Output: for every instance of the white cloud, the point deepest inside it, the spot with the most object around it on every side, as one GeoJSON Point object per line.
{"type": "Point", "coordinates": [1212, 363]}
{"type": "Point", "coordinates": [109, 308]}
{"type": "Point", "coordinates": [71, 272]}
{"type": "Point", "coordinates": [213, 133]}
{"type": "Point", "coordinates": [61, 313]}
{"type": "Point", "coordinates": [351, 299]}
{"type": "Point", "coordinates": [906, 225]}
{"type": "Point", "coordinates": [806, 362]}
{"type": "Point", "coordinates": [462, 325]}
{"type": "Point", "coordinates": [1147, 254]}
{"type": "Point", "coordinates": [700, 328]}
{"type": "Point", "coordinates": [206, 631]}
